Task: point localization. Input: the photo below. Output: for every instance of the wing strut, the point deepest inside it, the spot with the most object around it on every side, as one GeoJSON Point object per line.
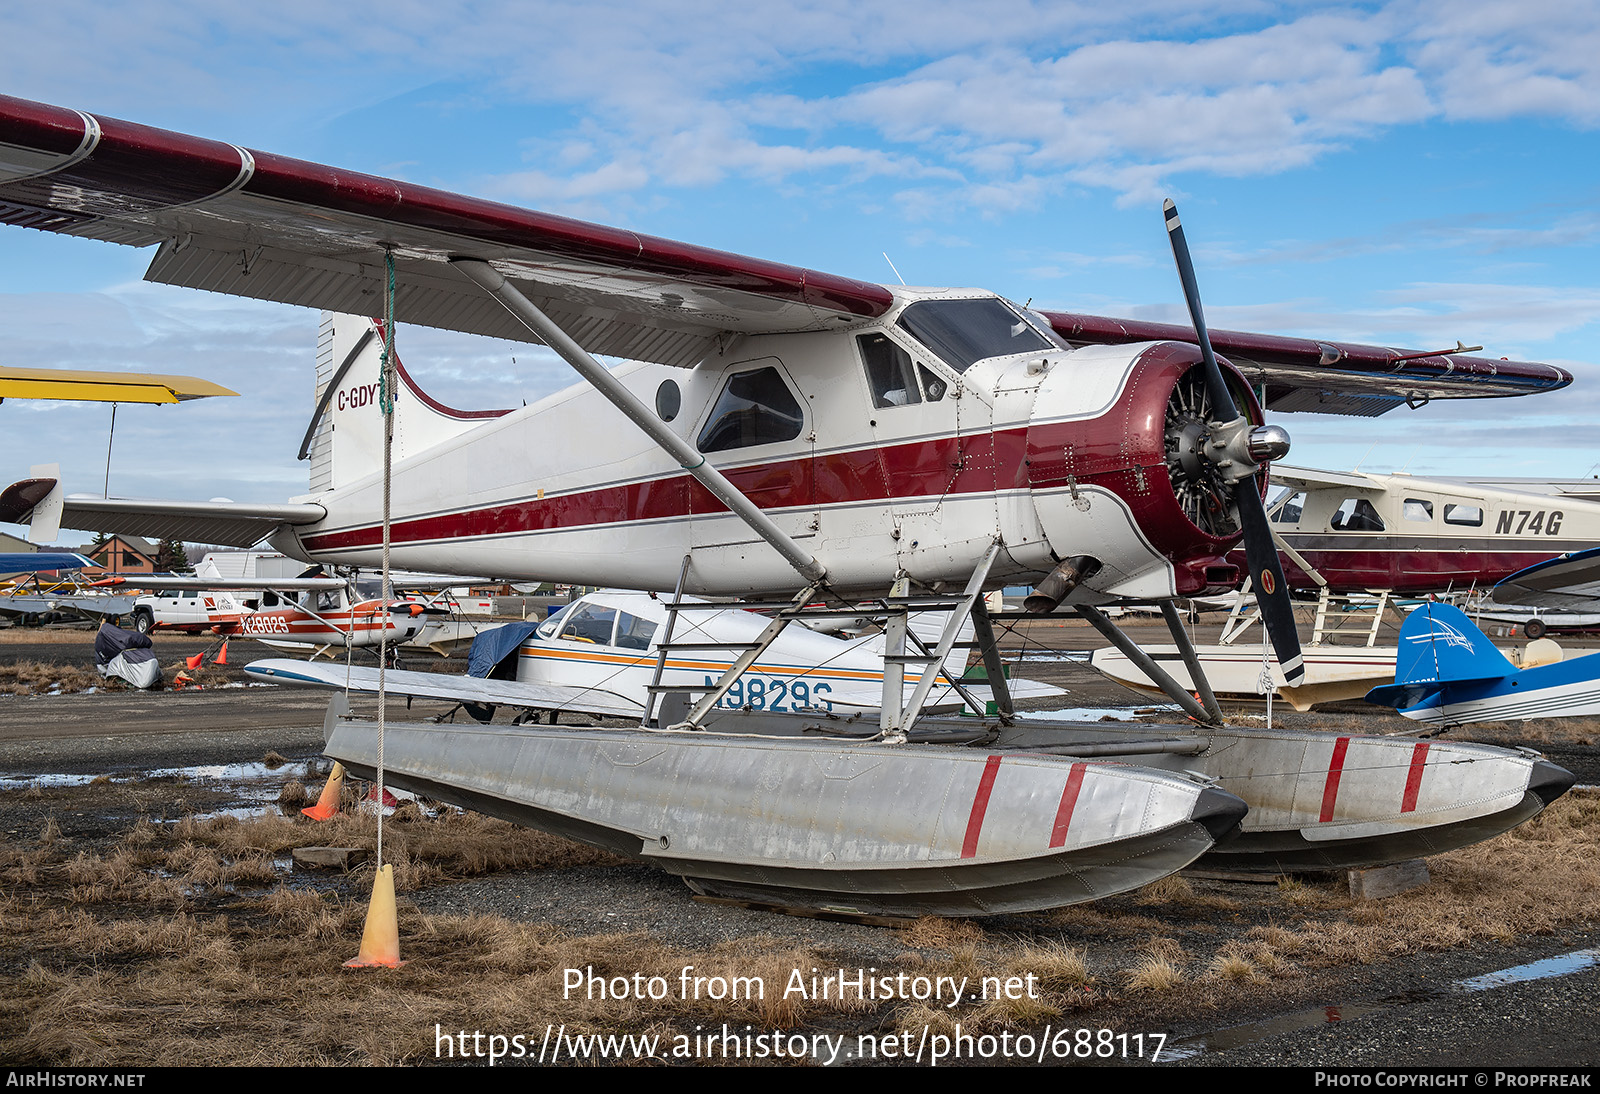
{"type": "Point", "coordinates": [1146, 664]}
{"type": "Point", "coordinates": [495, 284]}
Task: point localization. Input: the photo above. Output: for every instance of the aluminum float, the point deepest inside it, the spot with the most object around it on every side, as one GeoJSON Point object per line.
{"type": "Point", "coordinates": [841, 826]}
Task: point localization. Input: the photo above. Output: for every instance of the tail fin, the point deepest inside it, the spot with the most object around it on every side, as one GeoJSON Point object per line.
{"type": "Point", "coordinates": [345, 439]}
{"type": "Point", "coordinates": [1439, 645]}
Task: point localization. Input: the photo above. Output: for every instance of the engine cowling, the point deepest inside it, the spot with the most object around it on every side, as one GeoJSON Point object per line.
{"type": "Point", "coordinates": [1128, 434]}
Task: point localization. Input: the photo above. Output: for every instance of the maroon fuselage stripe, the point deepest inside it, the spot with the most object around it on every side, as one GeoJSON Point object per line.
{"type": "Point", "coordinates": [1419, 760]}
{"type": "Point", "coordinates": [980, 805]}
{"type": "Point", "coordinates": [1413, 571]}
{"type": "Point", "coordinates": [428, 400]}
{"type": "Point", "coordinates": [1122, 451]}
{"type": "Point", "coordinates": [1069, 802]}
{"type": "Point", "coordinates": [1330, 789]}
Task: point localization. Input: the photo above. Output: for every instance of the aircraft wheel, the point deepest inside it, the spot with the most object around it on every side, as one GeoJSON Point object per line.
{"type": "Point", "coordinates": [1534, 628]}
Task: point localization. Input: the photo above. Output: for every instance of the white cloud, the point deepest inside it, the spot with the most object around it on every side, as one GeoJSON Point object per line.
{"type": "Point", "coordinates": [981, 97]}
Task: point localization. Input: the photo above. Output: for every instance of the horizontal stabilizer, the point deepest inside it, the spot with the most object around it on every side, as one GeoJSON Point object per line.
{"type": "Point", "coordinates": [228, 523]}
{"type": "Point", "coordinates": [450, 688]}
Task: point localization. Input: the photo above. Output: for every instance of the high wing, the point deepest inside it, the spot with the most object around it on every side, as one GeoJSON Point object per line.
{"type": "Point", "coordinates": [92, 606]}
{"type": "Point", "coordinates": [1571, 581]}
{"type": "Point", "coordinates": [227, 523]}
{"type": "Point", "coordinates": [1310, 478]}
{"type": "Point", "coordinates": [1331, 377]}
{"type": "Point", "coordinates": [437, 685]}
{"type": "Point", "coordinates": [260, 225]}
{"type": "Point", "coordinates": [224, 584]}
{"type": "Point", "coordinates": [103, 387]}
{"type": "Point", "coordinates": [27, 562]}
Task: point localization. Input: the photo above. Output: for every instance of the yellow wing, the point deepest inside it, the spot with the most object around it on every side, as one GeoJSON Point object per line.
{"type": "Point", "coordinates": [103, 387]}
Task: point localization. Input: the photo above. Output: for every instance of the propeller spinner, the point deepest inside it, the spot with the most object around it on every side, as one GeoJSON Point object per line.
{"type": "Point", "coordinates": [1221, 454]}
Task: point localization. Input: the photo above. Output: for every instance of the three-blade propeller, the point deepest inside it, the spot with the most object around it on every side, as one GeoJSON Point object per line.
{"type": "Point", "coordinates": [1238, 453]}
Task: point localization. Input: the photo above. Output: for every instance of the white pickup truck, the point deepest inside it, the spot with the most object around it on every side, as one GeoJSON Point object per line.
{"type": "Point", "coordinates": [190, 610]}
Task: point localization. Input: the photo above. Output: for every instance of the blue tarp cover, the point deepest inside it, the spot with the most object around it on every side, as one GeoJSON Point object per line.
{"type": "Point", "coordinates": [492, 647]}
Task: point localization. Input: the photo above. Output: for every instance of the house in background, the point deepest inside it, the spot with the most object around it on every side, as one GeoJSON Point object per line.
{"type": "Point", "coordinates": [122, 555]}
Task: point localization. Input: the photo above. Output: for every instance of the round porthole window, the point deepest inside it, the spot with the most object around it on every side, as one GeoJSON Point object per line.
{"type": "Point", "coordinates": [668, 400]}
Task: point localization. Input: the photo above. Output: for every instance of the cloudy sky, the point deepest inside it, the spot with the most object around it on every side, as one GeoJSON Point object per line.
{"type": "Point", "coordinates": [1408, 173]}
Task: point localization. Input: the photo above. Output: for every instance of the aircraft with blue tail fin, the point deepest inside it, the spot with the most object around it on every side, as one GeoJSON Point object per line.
{"type": "Point", "coordinates": [1448, 672]}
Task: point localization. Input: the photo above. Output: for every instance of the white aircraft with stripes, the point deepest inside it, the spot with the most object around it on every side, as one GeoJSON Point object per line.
{"type": "Point", "coordinates": [601, 654]}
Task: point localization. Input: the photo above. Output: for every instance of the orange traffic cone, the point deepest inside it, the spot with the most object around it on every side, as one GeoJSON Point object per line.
{"type": "Point", "coordinates": [380, 939]}
{"type": "Point", "coordinates": [194, 662]}
{"type": "Point", "coordinates": [328, 802]}
{"type": "Point", "coordinates": [222, 655]}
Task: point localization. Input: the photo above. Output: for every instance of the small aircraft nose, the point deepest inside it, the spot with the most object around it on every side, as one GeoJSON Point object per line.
{"type": "Point", "coordinates": [1550, 781]}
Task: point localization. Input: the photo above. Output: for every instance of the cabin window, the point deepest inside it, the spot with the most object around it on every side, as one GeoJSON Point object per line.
{"type": "Point", "coordinates": [754, 408]}
{"type": "Point", "coordinates": [590, 623]}
{"type": "Point", "coordinates": [634, 633]}
{"type": "Point", "coordinates": [1469, 515]}
{"type": "Point", "coordinates": [1291, 508]}
{"type": "Point", "coordinates": [668, 400]}
{"type": "Point", "coordinates": [961, 332]}
{"type": "Point", "coordinates": [1418, 509]}
{"type": "Point", "coordinates": [1356, 515]}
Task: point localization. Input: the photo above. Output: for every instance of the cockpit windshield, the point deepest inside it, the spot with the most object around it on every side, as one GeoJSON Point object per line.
{"type": "Point", "coordinates": [961, 332]}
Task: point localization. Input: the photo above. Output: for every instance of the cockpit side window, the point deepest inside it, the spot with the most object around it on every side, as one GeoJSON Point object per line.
{"type": "Point", "coordinates": [1356, 515]}
{"type": "Point", "coordinates": [892, 377]}
{"type": "Point", "coordinates": [889, 372]}
{"type": "Point", "coordinates": [589, 623]}
{"type": "Point", "coordinates": [1290, 509]}
{"type": "Point", "coordinates": [755, 407]}
{"type": "Point", "coordinates": [961, 332]}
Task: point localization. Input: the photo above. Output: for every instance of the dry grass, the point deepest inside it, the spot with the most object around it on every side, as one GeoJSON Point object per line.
{"type": "Point", "coordinates": [1056, 965]}
{"type": "Point", "coordinates": [182, 944]}
{"type": "Point", "coordinates": [1154, 974]}
{"type": "Point", "coordinates": [28, 636]}
{"type": "Point", "coordinates": [39, 677]}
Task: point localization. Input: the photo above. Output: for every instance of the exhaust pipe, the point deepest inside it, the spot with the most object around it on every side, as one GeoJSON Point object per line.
{"type": "Point", "coordinates": [1050, 592]}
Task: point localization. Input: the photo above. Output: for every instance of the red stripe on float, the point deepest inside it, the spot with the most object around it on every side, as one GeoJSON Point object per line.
{"type": "Point", "coordinates": [1419, 757]}
{"type": "Point", "coordinates": [1069, 801]}
{"type": "Point", "coordinates": [980, 805]}
{"type": "Point", "coordinates": [1330, 790]}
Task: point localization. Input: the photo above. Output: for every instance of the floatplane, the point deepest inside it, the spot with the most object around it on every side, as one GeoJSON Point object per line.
{"type": "Point", "coordinates": [792, 430]}
{"type": "Point", "coordinates": [1357, 541]}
